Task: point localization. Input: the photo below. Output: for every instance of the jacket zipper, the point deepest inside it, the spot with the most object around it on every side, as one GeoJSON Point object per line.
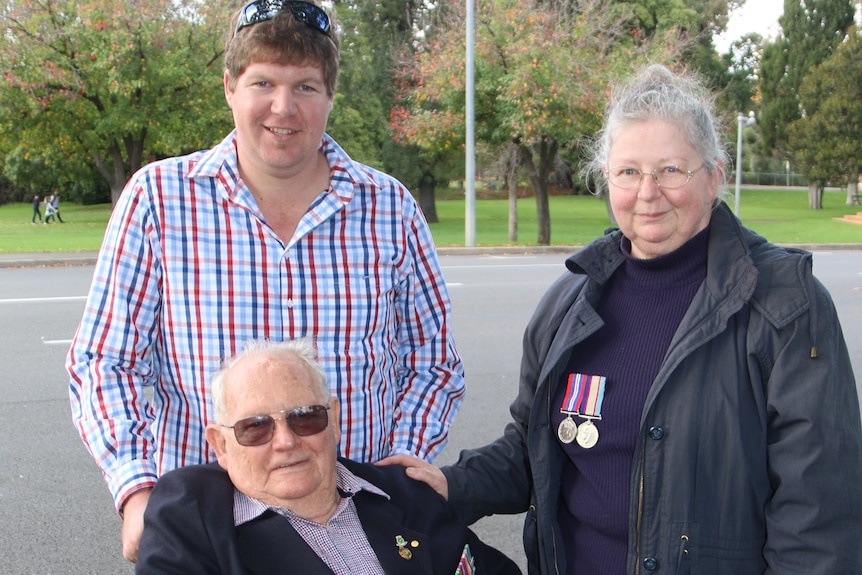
{"type": "Point", "coordinates": [553, 535]}
{"type": "Point", "coordinates": [640, 508]}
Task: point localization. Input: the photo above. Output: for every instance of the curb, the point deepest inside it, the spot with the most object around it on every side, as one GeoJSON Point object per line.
{"type": "Point", "coordinates": [37, 260]}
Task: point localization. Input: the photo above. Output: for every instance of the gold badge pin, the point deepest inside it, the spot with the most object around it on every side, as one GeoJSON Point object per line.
{"type": "Point", "coordinates": [402, 547]}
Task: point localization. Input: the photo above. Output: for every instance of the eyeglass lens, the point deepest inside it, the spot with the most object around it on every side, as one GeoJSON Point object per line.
{"type": "Point", "coordinates": [302, 421]}
{"type": "Point", "coordinates": [666, 177]}
{"type": "Point", "coordinates": [262, 10]}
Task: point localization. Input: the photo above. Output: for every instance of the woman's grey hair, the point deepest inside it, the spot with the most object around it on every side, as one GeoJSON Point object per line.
{"type": "Point", "coordinates": [656, 93]}
{"type": "Point", "coordinates": [301, 349]}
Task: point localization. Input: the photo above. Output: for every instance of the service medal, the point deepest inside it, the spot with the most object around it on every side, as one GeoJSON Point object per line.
{"type": "Point", "coordinates": [567, 430]}
{"type": "Point", "coordinates": [588, 434]}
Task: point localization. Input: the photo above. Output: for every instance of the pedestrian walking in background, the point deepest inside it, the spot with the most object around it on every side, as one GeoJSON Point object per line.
{"type": "Point", "coordinates": [55, 205]}
{"type": "Point", "coordinates": [49, 209]}
{"type": "Point", "coordinates": [36, 213]}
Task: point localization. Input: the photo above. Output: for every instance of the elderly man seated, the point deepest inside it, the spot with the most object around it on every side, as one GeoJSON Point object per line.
{"type": "Point", "coordinates": [279, 500]}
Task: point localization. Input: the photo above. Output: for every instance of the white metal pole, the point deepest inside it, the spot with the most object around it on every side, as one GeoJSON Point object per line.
{"type": "Point", "coordinates": [741, 122]}
{"type": "Point", "coordinates": [470, 176]}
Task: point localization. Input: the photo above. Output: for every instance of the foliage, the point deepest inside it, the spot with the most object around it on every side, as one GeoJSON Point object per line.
{"type": "Point", "coordinates": [742, 64]}
{"type": "Point", "coordinates": [374, 36]}
{"type": "Point", "coordinates": [541, 76]}
{"type": "Point", "coordinates": [825, 142]}
{"type": "Point", "coordinates": [811, 32]}
{"type": "Point", "coordinates": [110, 82]}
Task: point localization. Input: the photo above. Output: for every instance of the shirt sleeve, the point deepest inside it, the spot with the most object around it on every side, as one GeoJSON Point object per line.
{"type": "Point", "coordinates": [109, 362]}
{"type": "Point", "coordinates": [431, 382]}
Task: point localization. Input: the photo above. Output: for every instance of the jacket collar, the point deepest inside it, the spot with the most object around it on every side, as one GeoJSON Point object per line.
{"type": "Point", "coordinates": [268, 543]}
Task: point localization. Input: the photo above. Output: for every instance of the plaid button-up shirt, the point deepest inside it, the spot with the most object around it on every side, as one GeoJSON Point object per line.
{"type": "Point", "coordinates": [189, 270]}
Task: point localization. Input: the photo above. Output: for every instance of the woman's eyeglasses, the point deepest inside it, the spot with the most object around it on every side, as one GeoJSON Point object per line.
{"type": "Point", "coordinates": [263, 10]}
{"type": "Point", "coordinates": [668, 177]}
{"type": "Point", "coordinates": [302, 421]}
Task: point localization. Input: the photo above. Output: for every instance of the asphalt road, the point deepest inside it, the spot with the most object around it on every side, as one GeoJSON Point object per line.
{"type": "Point", "coordinates": [56, 515]}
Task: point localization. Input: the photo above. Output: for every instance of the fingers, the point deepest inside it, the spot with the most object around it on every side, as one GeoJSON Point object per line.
{"type": "Point", "coordinates": [402, 460]}
{"type": "Point", "coordinates": [431, 476]}
{"type": "Point", "coordinates": [420, 470]}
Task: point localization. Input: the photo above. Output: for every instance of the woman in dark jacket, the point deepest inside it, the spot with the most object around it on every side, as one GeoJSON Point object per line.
{"type": "Point", "coordinates": [687, 403]}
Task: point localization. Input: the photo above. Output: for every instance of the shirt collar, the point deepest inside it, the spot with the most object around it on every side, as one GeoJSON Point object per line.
{"type": "Point", "coordinates": [246, 508]}
{"type": "Point", "coordinates": [220, 162]}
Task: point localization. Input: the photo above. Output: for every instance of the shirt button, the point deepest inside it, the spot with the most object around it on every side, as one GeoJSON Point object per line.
{"type": "Point", "coordinates": [289, 303]}
{"type": "Point", "coordinates": [656, 432]}
{"type": "Point", "coordinates": [650, 564]}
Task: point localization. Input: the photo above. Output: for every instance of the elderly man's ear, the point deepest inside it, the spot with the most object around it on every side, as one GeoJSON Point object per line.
{"type": "Point", "coordinates": [216, 439]}
{"type": "Point", "coordinates": [335, 417]}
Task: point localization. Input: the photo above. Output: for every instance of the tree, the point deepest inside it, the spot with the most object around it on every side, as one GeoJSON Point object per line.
{"type": "Point", "coordinates": [825, 141]}
{"type": "Point", "coordinates": [742, 64]}
{"type": "Point", "coordinates": [540, 78]}
{"type": "Point", "coordinates": [375, 35]}
{"type": "Point", "coordinates": [109, 82]}
{"type": "Point", "coordinates": [811, 32]}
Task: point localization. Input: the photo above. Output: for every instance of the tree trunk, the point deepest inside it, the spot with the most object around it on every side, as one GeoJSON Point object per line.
{"type": "Point", "coordinates": [513, 162]}
{"type": "Point", "coordinates": [427, 203]}
{"type": "Point", "coordinates": [547, 149]}
{"type": "Point", "coordinates": [119, 173]}
{"type": "Point", "coordinates": [815, 196]}
{"type": "Point", "coordinates": [512, 181]}
{"type": "Point", "coordinates": [543, 213]}
{"type": "Point", "coordinates": [853, 191]}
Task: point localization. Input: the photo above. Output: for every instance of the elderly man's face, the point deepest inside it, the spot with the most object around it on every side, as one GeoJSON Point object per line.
{"type": "Point", "coordinates": [297, 473]}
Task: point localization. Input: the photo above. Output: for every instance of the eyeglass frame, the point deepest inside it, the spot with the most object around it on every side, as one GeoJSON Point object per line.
{"type": "Point", "coordinates": [309, 14]}
{"type": "Point", "coordinates": [287, 415]}
{"type": "Point", "coordinates": [689, 173]}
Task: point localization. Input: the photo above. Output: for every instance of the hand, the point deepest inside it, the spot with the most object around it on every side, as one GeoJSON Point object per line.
{"type": "Point", "coordinates": [133, 522]}
{"type": "Point", "coordinates": [420, 470]}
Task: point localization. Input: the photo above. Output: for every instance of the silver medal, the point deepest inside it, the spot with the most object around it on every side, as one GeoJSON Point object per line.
{"type": "Point", "coordinates": [588, 434]}
{"type": "Point", "coordinates": [567, 430]}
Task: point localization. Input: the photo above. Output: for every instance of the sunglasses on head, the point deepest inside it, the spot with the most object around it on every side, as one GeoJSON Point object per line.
{"type": "Point", "coordinates": [262, 10]}
{"type": "Point", "coordinates": [302, 421]}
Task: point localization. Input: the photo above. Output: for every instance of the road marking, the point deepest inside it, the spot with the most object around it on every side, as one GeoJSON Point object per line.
{"type": "Point", "coordinates": [44, 299]}
{"type": "Point", "coordinates": [56, 341]}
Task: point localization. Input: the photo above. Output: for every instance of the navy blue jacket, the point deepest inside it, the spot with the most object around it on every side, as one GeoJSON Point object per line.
{"type": "Point", "coordinates": [189, 529]}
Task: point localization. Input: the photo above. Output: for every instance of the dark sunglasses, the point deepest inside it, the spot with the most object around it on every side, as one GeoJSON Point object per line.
{"type": "Point", "coordinates": [263, 10]}
{"type": "Point", "coordinates": [302, 421]}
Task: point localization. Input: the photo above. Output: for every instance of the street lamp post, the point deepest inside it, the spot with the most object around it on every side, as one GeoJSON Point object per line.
{"type": "Point", "coordinates": [470, 175]}
{"type": "Point", "coordinates": [742, 123]}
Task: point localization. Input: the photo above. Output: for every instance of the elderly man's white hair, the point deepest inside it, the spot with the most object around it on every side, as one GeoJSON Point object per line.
{"type": "Point", "coordinates": [301, 349]}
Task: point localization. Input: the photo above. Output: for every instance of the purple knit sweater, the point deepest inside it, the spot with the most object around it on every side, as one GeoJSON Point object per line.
{"type": "Point", "coordinates": [642, 305]}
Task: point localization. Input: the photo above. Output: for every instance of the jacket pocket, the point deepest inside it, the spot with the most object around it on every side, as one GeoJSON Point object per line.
{"type": "Point", "coordinates": [693, 553]}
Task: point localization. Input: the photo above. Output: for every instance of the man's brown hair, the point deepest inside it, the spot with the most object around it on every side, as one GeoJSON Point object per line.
{"type": "Point", "coordinates": [282, 40]}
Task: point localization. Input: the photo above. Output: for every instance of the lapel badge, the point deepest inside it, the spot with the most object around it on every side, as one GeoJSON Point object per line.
{"type": "Point", "coordinates": [402, 547]}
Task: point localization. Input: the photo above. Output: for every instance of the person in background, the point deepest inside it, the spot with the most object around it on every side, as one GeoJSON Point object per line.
{"type": "Point", "coordinates": [686, 402]}
{"type": "Point", "coordinates": [36, 213]}
{"type": "Point", "coordinates": [55, 205]}
{"type": "Point", "coordinates": [279, 500]}
{"type": "Point", "coordinates": [274, 233]}
{"type": "Point", "coordinates": [49, 209]}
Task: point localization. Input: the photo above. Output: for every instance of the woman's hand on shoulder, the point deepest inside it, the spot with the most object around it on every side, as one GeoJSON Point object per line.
{"type": "Point", "coordinates": [420, 470]}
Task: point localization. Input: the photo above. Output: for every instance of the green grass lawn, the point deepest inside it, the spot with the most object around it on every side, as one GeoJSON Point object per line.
{"type": "Point", "coordinates": [782, 216]}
